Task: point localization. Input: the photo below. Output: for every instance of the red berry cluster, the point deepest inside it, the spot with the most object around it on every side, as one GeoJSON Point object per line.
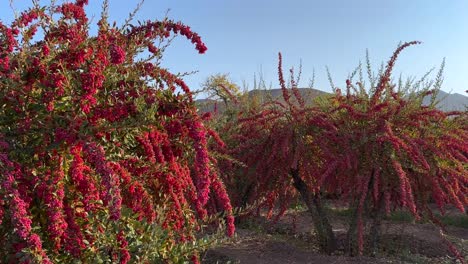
{"type": "Point", "coordinates": [90, 131]}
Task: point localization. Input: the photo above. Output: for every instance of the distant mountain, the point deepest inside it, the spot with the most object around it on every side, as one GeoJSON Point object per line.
{"type": "Point", "coordinates": [208, 105]}
{"type": "Point", "coordinates": [447, 102]}
{"type": "Point", "coordinates": [307, 93]}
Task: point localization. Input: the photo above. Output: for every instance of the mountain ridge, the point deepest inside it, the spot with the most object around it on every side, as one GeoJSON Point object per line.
{"type": "Point", "coordinates": [447, 101]}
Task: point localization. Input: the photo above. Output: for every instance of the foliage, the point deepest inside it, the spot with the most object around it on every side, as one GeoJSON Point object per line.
{"type": "Point", "coordinates": [394, 151]}
{"type": "Point", "coordinates": [220, 87]}
{"type": "Point", "coordinates": [102, 159]}
{"type": "Point", "coordinates": [379, 149]}
{"type": "Point", "coordinates": [275, 141]}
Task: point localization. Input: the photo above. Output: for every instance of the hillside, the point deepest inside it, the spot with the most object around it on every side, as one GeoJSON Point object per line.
{"type": "Point", "coordinates": [207, 105]}
{"type": "Point", "coordinates": [307, 93]}
{"type": "Point", "coordinates": [447, 101]}
{"type": "Point", "coordinates": [450, 102]}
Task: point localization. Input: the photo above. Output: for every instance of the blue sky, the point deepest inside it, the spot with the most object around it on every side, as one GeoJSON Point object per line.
{"type": "Point", "coordinates": [243, 37]}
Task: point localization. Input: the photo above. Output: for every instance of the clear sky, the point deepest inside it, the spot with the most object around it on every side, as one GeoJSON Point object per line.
{"type": "Point", "coordinates": [243, 37]}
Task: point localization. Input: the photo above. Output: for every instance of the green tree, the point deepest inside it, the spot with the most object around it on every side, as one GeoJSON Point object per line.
{"type": "Point", "coordinates": [220, 87]}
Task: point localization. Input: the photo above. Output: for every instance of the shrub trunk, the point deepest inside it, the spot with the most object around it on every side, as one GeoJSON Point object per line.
{"type": "Point", "coordinates": [323, 228]}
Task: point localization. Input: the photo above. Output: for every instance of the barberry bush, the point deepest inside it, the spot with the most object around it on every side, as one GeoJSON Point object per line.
{"type": "Point", "coordinates": [103, 156]}
{"type": "Point", "coordinates": [279, 155]}
{"type": "Point", "coordinates": [376, 146]}
{"type": "Point", "coordinates": [396, 149]}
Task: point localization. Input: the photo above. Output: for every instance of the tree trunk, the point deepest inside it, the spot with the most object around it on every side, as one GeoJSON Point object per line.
{"type": "Point", "coordinates": [350, 245]}
{"type": "Point", "coordinates": [246, 196]}
{"type": "Point", "coordinates": [376, 228]}
{"type": "Point", "coordinates": [375, 231]}
{"type": "Point", "coordinates": [320, 220]}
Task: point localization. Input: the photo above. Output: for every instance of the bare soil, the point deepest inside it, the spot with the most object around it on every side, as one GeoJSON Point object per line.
{"type": "Point", "coordinates": [291, 240]}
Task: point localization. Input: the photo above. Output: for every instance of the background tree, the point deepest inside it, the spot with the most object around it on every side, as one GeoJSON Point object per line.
{"type": "Point", "coordinates": [276, 144]}
{"type": "Point", "coordinates": [378, 149]}
{"type": "Point", "coordinates": [395, 152]}
{"type": "Point", "coordinates": [220, 87]}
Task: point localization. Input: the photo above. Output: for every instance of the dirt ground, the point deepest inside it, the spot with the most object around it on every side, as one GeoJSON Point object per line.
{"type": "Point", "coordinates": [290, 240]}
